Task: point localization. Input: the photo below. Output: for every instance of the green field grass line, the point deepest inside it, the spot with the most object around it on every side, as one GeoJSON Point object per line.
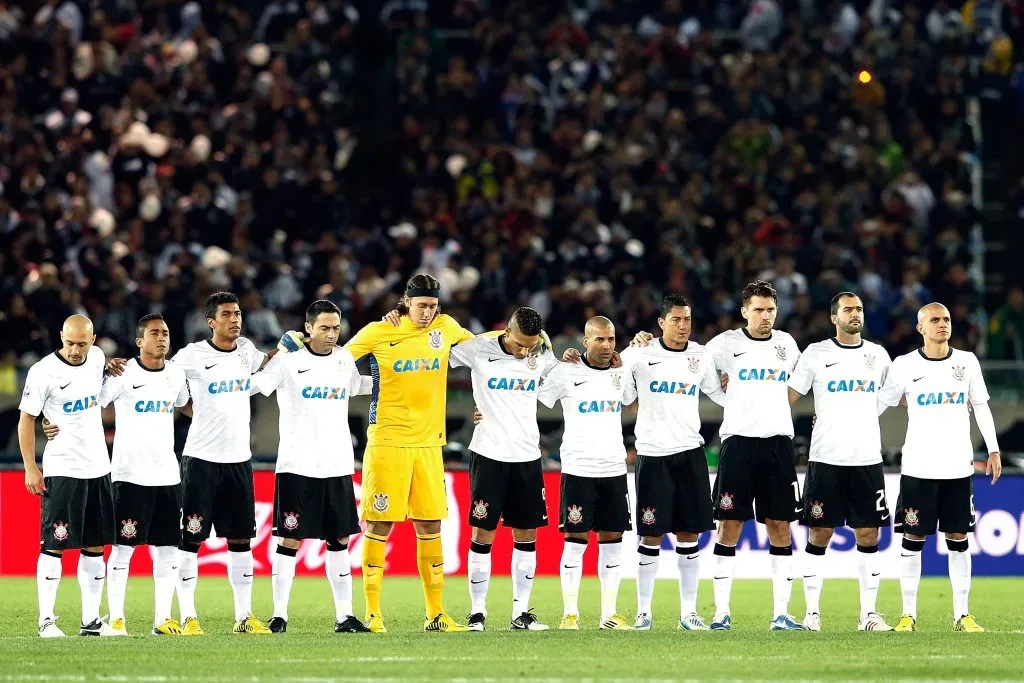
{"type": "Point", "coordinates": [312, 653]}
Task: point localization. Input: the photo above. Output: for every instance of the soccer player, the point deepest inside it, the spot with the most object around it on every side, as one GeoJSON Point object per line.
{"type": "Point", "coordinates": [941, 385]}
{"type": "Point", "coordinates": [673, 490]}
{"type": "Point", "coordinates": [403, 472]}
{"type": "Point", "coordinates": [756, 471]}
{"type": "Point", "coordinates": [77, 503]}
{"type": "Point", "coordinates": [313, 492]}
{"type": "Point", "coordinates": [216, 472]}
{"type": "Point", "coordinates": [845, 484]}
{"type": "Point", "coordinates": [594, 495]}
{"type": "Point", "coordinates": [506, 476]}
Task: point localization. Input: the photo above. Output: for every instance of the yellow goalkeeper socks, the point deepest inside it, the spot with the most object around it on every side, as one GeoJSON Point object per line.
{"type": "Point", "coordinates": [430, 560]}
{"type": "Point", "coordinates": [373, 570]}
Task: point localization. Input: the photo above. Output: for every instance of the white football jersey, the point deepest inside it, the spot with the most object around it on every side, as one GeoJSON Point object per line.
{"type": "Point", "coordinates": [505, 391]}
{"type": "Point", "coordinates": [592, 402]}
{"type": "Point", "coordinates": [313, 392]}
{"type": "Point", "coordinates": [757, 403]}
{"type": "Point", "coordinates": [68, 396]}
{"type": "Point", "coordinates": [846, 381]}
{"type": "Point", "coordinates": [144, 402]}
{"type": "Point", "coordinates": [669, 383]}
{"type": "Point", "coordinates": [220, 383]}
{"type": "Point", "coordinates": [939, 393]}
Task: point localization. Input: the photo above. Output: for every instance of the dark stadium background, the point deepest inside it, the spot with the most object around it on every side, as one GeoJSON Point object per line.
{"type": "Point", "coordinates": [579, 157]}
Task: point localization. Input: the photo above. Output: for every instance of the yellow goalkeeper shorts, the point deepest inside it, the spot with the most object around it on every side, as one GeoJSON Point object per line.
{"type": "Point", "coordinates": [403, 483]}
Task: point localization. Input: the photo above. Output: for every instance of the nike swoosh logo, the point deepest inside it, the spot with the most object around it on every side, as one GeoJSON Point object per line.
{"type": "Point", "coordinates": [306, 370]}
{"type": "Point", "coordinates": [919, 379]}
{"type": "Point", "coordinates": [138, 386]}
{"type": "Point", "coordinates": [528, 578]}
{"type": "Point", "coordinates": [650, 363]}
{"type": "Point", "coordinates": [53, 578]}
{"type": "Point", "coordinates": [877, 574]}
{"type": "Point", "coordinates": [789, 578]}
{"type": "Point", "coordinates": [905, 555]}
{"type": "Point", "coordinates": [212, 366]}
{"type": "Point", "coordinates": [342, 576]}
{"type": "Point", "coordinates": [246, 576]}
{"type": "Point", "coordinates": [437, 566]}
{"type": "Point", "coordinates": [692, 557]}
{"type": "Point", "coordinates": [187, 578]}
{"type": "Point", "coordinates": [477, 582]}
{"type": "Point", "coordinates": [394, 343]}
{"type": "Point", "coordinates": [808, 576]}
{"type": "Point", "coordinates": [579, 383]}
{"type": "Point", "coordinates": [493, 360]}
{"type": "Point", "coordinates": [98, 578]}
{"type": "Point", "coordinates": [720, 578]}
{"type": "Point", "coordinates": [737, 355]}
{"type": "Point", "coordinates": [885, 518]}
{"type": "Point", "coordinates": [828, 365]}
{"type": "Point", "coordinates": [565, 566]}
{"type": "Point", "coordinates": [65, 386]}
{"type": "Point", "coordinates": [374, 566]}
{"type": "Point", "coordinates": [118, 569]}
{"type": "Point", "coordinates": [646, 564]}
{"type": "Point", "coordinates": [611, 566]}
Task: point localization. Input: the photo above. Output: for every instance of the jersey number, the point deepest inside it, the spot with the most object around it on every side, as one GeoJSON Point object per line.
{"type": "Point", "coordinates": [880, 501]}
{"type": "Point", "coordinates": [973, 513]}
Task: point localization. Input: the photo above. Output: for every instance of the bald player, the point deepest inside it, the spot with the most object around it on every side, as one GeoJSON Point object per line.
{"type": "Point", "coordinates": [77, 499]}
{"type": "Point", "coordinates": [942, 386]}
{"type": "Point", "coordinates": [594, 495]}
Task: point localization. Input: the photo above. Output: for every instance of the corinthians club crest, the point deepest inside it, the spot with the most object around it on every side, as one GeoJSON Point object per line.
{"type": "Point", "coordinates": [910, 517]}
{"type": "Point", "coordinates": [693, 364]}
{"type": "Point", "coordinates": [435, 338]}
{"type": "Point", "coordinates": [574, 514]}
{"type": "Point", "coordinates": [60, 531]}
{"type": "Point", "coordinates": [959, 373]}
{"type": "Point", "coordinates": [725, 502]}
{"type": "Point", "coordinates": [480, 509]}
{"type": "Point", "coordinates": [869, 360]}
{"type": "Point", "coordinates": [129, 528]}
{"type": "Point", "coordinates": [194, 524]}
{"type": "Point", "coordinates": [291, 521]}
{"type": "Point", "coordinates": [380, 502]}
{"type": "Point", "coordinates": [531, 362]}
{"type": "Point", "coordinates": [817, 510]}
{"type": "Point", "coordinates": [780, 351]}
{"type": "Point", "coordinates": [617, 381]}
{"type": "Point", "coordinates": [647, 516]}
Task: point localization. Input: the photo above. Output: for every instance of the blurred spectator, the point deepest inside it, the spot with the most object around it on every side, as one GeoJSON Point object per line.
{"type": "Point", "coordinates": [1006, 328]}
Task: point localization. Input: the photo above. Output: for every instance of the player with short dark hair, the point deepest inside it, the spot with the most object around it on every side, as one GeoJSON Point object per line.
{"type": "Point", "coordinates": [673, 491]}
{"type": "Point", "coordinates": [403, 471]}
{"type": "Point", "coordinates": [845, 484]}
{"type": "Point", "coordinates": [77, 503]}
{"type": "Point", "coordinates": [216, 471]}
{"type": "Point", "coordinates": [314, 497]}
{"type": "Point", "coordinates": [594, 492]}
{"type": "Point", "coordinates": [756, 470]}
{"type": "Point", "coordinates": [506, 476]}
{"type": "Point", "coordinates": [942, 386]}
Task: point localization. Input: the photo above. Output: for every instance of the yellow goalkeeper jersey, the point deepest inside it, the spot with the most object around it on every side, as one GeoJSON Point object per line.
{"type": "Point", "coordinates": [410, 379]}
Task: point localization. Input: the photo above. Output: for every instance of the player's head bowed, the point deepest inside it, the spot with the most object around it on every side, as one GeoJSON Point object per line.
{"type": "Point", "coordinates": [524, 332]}
{"type": "Point", "coordinates": [77, 337]}
{"type": "Point", "coordinates": [323, 325]}
{"type": "Point", "coordinates": [420, 301]}
{"type": "Point", "coordinates": [675, 318]}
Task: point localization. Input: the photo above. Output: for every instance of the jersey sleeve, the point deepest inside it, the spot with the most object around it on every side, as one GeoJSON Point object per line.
{"type": "Point", "coordinates": [184, 359]}
{"type": "Point", "coordinates": [254, 356]}
{"type": "Point", "coordinates": [894, 387]}
{"type": "Point", "coordinates": [355, 380]}
{"type": "Point", "coordinates": [711, 384]}
{"type": "Point", "coordinates": [458, 332]}
{"type": "Point", "coordinates": [462, 356]}
{"type": "Point", "coordinates": [794, 354]}
{"type": "Point", "coordinates": [629, 393]}
{"type": "Point", "coordinates": [553, 387]}
{"type": "Point", "coordinates": [269, 379]}
{"type": "Point", "coordinates": [977, 392]}
{"type": "Point", "coordinates": [803, 376]}
{"type": "Point", "coordinates": [183, 394]}
{"type": "Point", "coordinates": [718, 351]}
{"type": "Point", "coordinates": [113, 387]}
{"type": "Point", "coordinates": [362, 344]}
{"type": "Point", "coordinates": [629, 358]}
{"type": "Point", "coordinates": [548, 362]}
{"type": "Point", "coordinates": [33, 398]}
{"type": "Point", "coordinates": [886, 364]}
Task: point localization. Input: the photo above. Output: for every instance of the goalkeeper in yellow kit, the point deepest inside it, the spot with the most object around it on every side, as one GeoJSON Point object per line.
{"type": "Point", "coordinates": [403, 472]}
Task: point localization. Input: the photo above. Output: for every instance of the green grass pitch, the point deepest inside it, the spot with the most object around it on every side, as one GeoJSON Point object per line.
{"type": "Point", "coordinates": [312, 653]}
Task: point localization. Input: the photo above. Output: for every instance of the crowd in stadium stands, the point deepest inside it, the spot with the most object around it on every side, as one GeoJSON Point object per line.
{"type": "Point", "coordinates": [582, 159]}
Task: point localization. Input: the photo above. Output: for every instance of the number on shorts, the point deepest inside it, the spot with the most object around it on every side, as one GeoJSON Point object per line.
{"type": "Point", "coordinates": [796, 491]}
{"type": "Point", "coordinates": [880, 501]}
{"type": "Point", "coordinates": [973, 512]}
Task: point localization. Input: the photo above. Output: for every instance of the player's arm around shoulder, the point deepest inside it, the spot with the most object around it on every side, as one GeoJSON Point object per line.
{"type": "Point", "coordinates": [552, 388]}
{"type": "Point", "coordinates": [112, 389]}
{"type": "Point", "coordinates": [894, 387]}
{"type": "Point", "coordinates": [802, 378]}
{"type": "Point", "coordinates": [365, 340]}
{"type": "Point", "coordinates": [271, 375]}
{"type": "Point", "coordinates": [463, 354]}
{"type": "Point", "coordinates": [451, 326]}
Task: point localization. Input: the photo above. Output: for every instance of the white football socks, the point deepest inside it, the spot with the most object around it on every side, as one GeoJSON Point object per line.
{"type": "Point", "coordinates": [868, 576]}
{"type": "Point", "coordinates": [165, 576]}
{"type": "Point", "coordinates": [479, 569]}
{"type": "Point", "coordinates": [91, 575]}
{"type": "Point", "coordinates": [646, 574]}
{"type": "Point", "coordinates": [117, 579]}
{"type": "Point", "coordinates": [240, 571]}
{"type": "Point", "coordinates": [960, 576]}
{"type": "Point", "coordinates": [782, 578]}
{"type": "Point", "coordinates": [339, 573]}
{"type": "Point", "coordinates": [571, 573]}
{"type": "Point", "coordinates": [609, 572]}
{"type": "Point", "coordinates": [725, 569]}
{"type": "Point", "coordinates": [188, 577]}
{"type": "Point", "coordinates": [282, 576]}
{"type": "Point", "coordinates": [688, 563]}
{"type": "Point", "coordinates": [910, 574]}
{"type": "Point", "coordinates": [814, 579]}
{"type": "Point", "coordinates": [524, 568]}
{"type": "Point", "coordinates": [48, 571]}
